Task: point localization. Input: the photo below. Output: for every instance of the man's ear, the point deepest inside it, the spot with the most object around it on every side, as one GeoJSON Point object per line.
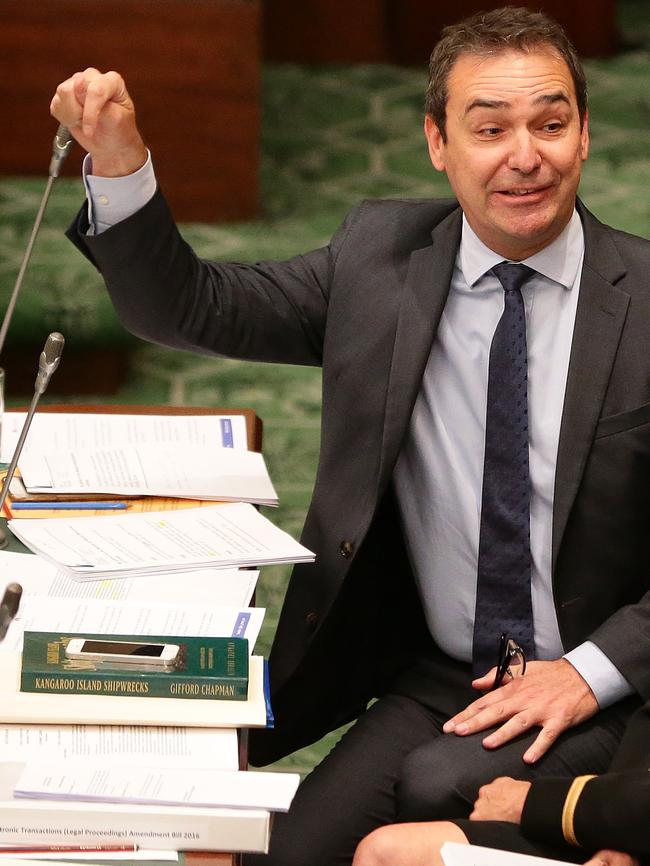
{"type": "Point", "coordinates": [584, 138]}
{"type": "Point", "coordinates": [435, 143]}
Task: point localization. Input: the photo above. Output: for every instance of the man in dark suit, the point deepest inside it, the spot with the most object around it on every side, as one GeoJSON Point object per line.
{"type": "Point", "coordinates": [406, 310]}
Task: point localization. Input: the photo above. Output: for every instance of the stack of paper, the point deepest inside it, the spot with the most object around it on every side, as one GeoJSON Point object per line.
{"type": "Point", "coordinates": [186, 456]}
{"type": "Point", "coordinates": [65, 822]}
{"type": "Point", "coordinates": [165, 786]}
{"type": "Point", "coordinates": [214, 602]}
{"type": "Point", "coordinates": [43, 584]}
{"type": "Point", "coordinates": [199, 472]}
{"type": "Point", "coordinates": [233, 534]}
{"type": "Point", "coordinates": [155, 786]}
{"type": "Point", "coordinates": [161, 773]}
{"type": "Point", "coordinates": [122, 745]}
{"type": "Point", "coordinates": [78, 430]}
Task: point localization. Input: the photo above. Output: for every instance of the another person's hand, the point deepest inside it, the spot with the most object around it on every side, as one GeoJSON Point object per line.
{"type": "Point", "coordinates": [98, 111]}
{"type": "Point", "coordinates": [612, 858]}
{"type": "Point", "coordinates": [552, 695]}
{"type": "Point", "coordinates": [501, 800]}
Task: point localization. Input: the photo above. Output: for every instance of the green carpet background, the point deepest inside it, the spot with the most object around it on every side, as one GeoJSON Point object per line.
{"type": "Point", "coordinates": [331, 136]}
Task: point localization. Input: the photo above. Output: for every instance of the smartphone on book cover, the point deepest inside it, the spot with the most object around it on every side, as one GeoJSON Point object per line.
{"type": "Point", "coordinates": [164, 655]}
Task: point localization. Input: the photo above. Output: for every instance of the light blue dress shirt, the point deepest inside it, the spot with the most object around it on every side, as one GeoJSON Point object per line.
{"type": "Point", "coordinates": [439, 474]}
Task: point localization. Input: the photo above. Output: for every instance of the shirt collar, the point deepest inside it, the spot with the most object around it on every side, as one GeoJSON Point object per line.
{"type": "Point", "coordinates": [559, 261]}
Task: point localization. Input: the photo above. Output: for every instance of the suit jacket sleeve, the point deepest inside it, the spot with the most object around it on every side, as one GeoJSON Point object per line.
{"type": "Point", "coordinates": [164, 293]}
{"type": "Point", "coordinates": [610, 811]}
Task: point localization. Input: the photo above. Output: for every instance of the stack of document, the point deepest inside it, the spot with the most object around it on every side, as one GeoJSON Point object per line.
{"type": "Point", "coordinates": [159, 787]}
{"type": "Point", "coordinates": [199, 457]}
{"type": "Point", "coordinates": [63, 431]}
{"type": "Point", "coordinates": [213, 603]}
{"type": "Point", "coordinates": [163, 774]}
{"type": "Point", "coordinates": [107, 782]}
{"type": "Point", "coordinates": [232, 534]}
{"type": "Point", "coordinates": [200, 472]}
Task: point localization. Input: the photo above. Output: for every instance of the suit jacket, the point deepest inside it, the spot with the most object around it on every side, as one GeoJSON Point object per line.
{"type": "Point", "coordinates": [366, 308]}
{"type": "Point", "coordinates": [612, 810]}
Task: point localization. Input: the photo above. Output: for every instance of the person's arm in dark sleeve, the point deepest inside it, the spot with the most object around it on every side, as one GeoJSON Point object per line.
{"type": "Point", "coordinates": [608, 811]}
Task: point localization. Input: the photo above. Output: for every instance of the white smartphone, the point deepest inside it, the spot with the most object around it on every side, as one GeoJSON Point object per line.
{"type": "Point", "coordinates": [162, 654]}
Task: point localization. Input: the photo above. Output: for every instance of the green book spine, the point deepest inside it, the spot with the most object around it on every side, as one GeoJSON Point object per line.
{"type": "Point", "coordinates": [206, 668]}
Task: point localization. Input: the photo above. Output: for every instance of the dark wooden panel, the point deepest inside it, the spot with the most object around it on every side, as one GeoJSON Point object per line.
{"type": "Point", "coordinates": [325, 31]}
{"type": "Point", "coordinates": [404, 31]}
{"type": "Point", "coordinates": [82, 371]}
{"type": "Point", "coordinates": [192, 67]}
{"type": "Point", "coordinates": [415, 24]}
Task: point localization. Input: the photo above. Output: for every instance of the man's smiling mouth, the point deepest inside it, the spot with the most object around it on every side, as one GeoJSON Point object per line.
{"type": "Point", "coordinates": [522, 192]}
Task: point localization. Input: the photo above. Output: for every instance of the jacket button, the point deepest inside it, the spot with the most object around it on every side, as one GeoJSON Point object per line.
{"type": "Point", "coordinates": [312, 621]}
{"type": "Point", "coordinates": [346, 549]}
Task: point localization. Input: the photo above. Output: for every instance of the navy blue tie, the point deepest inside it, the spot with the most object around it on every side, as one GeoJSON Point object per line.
{"type": "Point", "coordinates": [503, 599]}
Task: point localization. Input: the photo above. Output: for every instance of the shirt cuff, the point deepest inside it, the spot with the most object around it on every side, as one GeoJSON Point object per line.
{"type": "Point", "coordinates": [113, 199]}
{"type": "Point", "coordinates": [604, 679]}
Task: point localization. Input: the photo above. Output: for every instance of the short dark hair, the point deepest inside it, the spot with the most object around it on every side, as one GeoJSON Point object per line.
{"type": "Point", "coordinates": [486, 33]}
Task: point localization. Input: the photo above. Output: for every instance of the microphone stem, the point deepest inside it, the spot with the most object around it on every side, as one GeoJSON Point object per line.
{"type": "Point", "coordinates": [23, 268]}
{"type": "Point", "coordinates": [4, 538]}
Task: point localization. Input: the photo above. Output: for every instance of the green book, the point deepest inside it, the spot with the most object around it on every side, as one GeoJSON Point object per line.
{"type": "Point", "coordinates": [206, 668]}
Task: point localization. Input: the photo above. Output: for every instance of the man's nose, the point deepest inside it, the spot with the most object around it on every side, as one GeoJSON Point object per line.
{"type": "Point", "coordinates": [524, 154]}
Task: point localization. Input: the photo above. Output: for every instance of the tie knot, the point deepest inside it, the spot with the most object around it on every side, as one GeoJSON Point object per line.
{"type": "Point", "coordinates": [512, 276]}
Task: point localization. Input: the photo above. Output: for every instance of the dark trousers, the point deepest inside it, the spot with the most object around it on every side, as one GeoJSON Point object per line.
{"type": "Point", "coordinates": [395, 764]}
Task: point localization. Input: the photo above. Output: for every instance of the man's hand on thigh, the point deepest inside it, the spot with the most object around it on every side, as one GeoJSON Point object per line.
{"type": "Point", "coordinates": [552, 695]}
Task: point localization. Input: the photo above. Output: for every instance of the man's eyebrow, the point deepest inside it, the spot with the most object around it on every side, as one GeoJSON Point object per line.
{"type": "Point", "coordinates": [545, 98]}
{"type": "Point", "coordinates": [550, 98]}
{"type": "Point", "coordinates": [487, 103]}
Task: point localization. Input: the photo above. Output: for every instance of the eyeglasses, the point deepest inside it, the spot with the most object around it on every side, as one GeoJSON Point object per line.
{"type": "Point", "coordinates": [512, 660]}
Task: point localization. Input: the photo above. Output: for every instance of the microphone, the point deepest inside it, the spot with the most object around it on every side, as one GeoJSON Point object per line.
{"type": "Point", "coordinates": [61, 146]}
{"type": "Point", "coordinates": [49, 361]}
{"type": "Point", "coordinates": [9, 607]}
{"type": "Point", "coordinates": [47, 364]}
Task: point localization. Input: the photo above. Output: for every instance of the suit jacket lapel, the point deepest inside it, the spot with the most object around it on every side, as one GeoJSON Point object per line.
{"type": "Point", "coordinates": [423, 299]}
{"type": "Point", "coordinates": [599, 322]}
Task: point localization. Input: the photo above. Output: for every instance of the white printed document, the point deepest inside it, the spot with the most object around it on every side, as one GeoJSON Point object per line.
{"type": "Point", "coordinates": [154, 469]}
{"type": "Point", "coordinates": [95, 824]}
{"type": "Point", "coordinates": [454, 854]}
{"type": "Point", "coordinates": [226, 587]}
{"type": "Point", "coordinates": [69, 431]}
{"type": "Point", "coordinates": [170, 787]}
{"type": "Point", "coordinates": [232, 534]}
{"type": "Point", "coordinates": [130, 745]}
{"type": "Point", "coordinates": [133, 618]}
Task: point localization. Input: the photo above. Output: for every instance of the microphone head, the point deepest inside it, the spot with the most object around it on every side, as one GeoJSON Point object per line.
{"type": "Point", "coordinates": [53, 348]}
{"type": "Point", "coordinates": [49, 360]}
{"type": "Point", "coordinates": [61, 146]}
{"type": "Point", "coordinates": [11, 598]}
